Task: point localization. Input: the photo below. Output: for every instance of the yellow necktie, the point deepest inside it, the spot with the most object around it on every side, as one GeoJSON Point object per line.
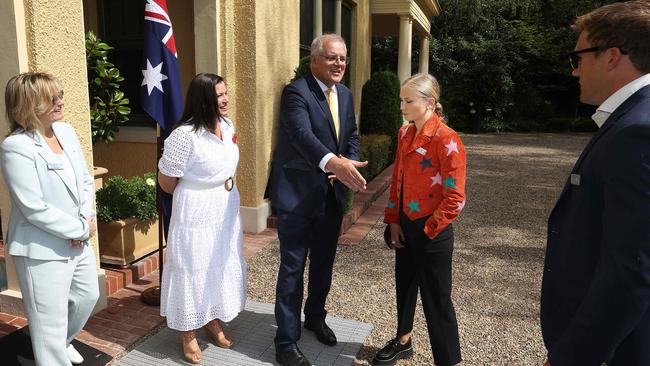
{"type": "Point", "coordinates": [335, 114]}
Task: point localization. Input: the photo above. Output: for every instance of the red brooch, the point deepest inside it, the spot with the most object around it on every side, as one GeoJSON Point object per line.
{"type": "Point", "coordinates": [234, 138]}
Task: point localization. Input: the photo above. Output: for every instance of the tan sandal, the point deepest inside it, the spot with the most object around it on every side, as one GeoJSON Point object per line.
{"type": "Point", "coordinates": [190, 345]}
{"type": "Point", "coordinates": [216, 333]}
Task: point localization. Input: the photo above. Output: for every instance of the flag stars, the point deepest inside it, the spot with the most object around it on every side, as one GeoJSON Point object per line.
{"type": "Point", "coordinates": [152, 77]}
{"type": "Point", "coordinates": [452, 146]}
{"type": "Point", "coordinates": [450, 183]}
{"type": "Point", "coordinates": [426, 163]}
{"type": "Point", "coordinates": [414, 206]}
{"type": "Point", "coordinates": [436, 179]}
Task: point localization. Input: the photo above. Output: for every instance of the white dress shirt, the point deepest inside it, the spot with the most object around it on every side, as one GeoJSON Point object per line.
{"type": "Point", "coordinates": [616, 99]}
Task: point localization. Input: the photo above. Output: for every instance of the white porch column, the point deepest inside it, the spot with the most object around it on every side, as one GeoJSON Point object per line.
{"type": "Point", "coordinates": [424, 55]}
{"type": "Point", "coordinates": [404, 55]}
{"type": "Point", "coordinates": [318, 18]}
{"type": "Point", "coordinates": [337, 17]}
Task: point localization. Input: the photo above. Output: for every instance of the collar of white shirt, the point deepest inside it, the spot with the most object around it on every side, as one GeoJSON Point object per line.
{"type": "Point", "coordinates": [616, 99]}
{"type": "Point", "coordinates": [324, 87]}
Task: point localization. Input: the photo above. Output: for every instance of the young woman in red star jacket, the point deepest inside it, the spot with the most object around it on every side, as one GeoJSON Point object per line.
{"type": "Point", "coordinates": [427, 193]}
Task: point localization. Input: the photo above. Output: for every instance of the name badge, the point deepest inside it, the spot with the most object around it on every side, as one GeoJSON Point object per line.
{"type": "Point", "coordinates": [575, 179]}
{"type": "Point", "coordinates": [421, 150]}
{"type": "Point", "coordinates": [55, 166]}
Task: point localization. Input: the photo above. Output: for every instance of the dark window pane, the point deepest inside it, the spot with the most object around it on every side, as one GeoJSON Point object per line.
{"type": "Point", "coordinates": [121, 26]}
{"type": "Point", "coordinates": [328, 16]}
{"type": "Point", "coordinates": [306, 26]}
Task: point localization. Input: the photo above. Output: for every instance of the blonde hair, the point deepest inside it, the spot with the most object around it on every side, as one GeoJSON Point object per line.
{"type": "Point", "coordinates": [28, 96]}
{"type": "Point", "coordinates": [427, 87]}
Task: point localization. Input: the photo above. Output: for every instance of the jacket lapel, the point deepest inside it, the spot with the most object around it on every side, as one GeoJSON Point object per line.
{"type": "Point", "coordinates": [55, 164]}
{"type": "Point", "coordinates": [343, 111]}
{"type": "Point", "coordinates": [611, 121]}
{"type": "Point", "coordinates": [429, 129]}
{"type": "Point", "coordinates": [324, 105]}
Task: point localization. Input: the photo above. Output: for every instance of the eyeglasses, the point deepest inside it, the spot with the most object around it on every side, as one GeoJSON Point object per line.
{"type": "Point", "coordinates": [333, 59]}
{"type": "Point", "coordinates": [574, 57]}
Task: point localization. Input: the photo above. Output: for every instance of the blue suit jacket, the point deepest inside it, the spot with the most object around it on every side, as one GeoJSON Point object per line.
{"type": "Point", "coordinates": [596, 283]}
{"type": "Point", "coordinates": [45, 211]}
{"type": "Point", "coordinates": [305, 136]}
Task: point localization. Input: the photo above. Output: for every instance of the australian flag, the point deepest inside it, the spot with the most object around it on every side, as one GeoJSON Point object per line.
{"type": "Point", "coordinates": [160, 93]}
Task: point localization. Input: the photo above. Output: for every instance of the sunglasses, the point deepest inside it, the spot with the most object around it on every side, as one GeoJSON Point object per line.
{"type": "Point", "coordinates": [574, 57]}
{"type": "Point", "coordinates": [57, 97]}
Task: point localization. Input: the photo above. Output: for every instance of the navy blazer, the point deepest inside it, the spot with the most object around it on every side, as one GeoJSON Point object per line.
{"type": "Point", "coordinates": [305, 136]}
{"type": "Point", "coordinates": [596, 282]}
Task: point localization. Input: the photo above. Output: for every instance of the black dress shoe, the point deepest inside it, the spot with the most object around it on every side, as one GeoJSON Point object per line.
{"type": "Point", "coordinates": [392, 352]}
{"type": "Point", "coordinates": [324, 333]}
{"type": "Point", "coordinates": [292, 357]}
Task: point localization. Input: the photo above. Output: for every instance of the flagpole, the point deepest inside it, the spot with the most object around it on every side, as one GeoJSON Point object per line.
{"type": "Point", "coordinates": [151, 296]}
{"type": "Point", "coordinates": [162, 100]}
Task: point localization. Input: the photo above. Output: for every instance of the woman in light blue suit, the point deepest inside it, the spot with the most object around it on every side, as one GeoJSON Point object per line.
{"type": "Point", "coordinates": [52, 217]}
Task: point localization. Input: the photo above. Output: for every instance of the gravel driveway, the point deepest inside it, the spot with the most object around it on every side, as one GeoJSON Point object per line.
{"type": "Point", "coordinates": [513, 182]}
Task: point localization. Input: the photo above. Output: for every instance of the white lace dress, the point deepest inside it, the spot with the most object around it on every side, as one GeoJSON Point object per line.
{"type": "Point", "coordinates": [205, 274]}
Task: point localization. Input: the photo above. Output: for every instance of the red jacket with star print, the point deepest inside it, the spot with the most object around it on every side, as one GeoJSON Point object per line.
{"type": "Point", "coordinates": [432, 167]}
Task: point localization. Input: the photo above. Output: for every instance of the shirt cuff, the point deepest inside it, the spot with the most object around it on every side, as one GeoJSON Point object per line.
{"type": "Point", "coordinates": [324, 161]}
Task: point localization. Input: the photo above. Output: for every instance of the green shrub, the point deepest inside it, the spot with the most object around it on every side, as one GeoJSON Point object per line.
{"type": "Point", "coordinates": [302, 70]}
{"type": "Point", "coordinates": [380, 112]}
{"type": "Point", "coordinates": [123, 198]}
{"type": "Point", "coordinates": [108, 105]}
{"type": "Point", "coordinates": [376, 150]}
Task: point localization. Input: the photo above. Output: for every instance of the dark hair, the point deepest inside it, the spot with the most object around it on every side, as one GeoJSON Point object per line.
{"type": "Point", "coordinates": [201, 108]}
{"type": "Point", "coordinates": [624, 25]}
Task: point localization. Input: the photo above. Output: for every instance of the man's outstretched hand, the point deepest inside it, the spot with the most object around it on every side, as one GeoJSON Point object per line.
{"type": "Point", "coordinates": [346, 171]}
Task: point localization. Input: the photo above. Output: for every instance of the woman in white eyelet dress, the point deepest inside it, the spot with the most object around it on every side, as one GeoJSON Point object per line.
{"type": "Point", "coordinates": [204, 280]}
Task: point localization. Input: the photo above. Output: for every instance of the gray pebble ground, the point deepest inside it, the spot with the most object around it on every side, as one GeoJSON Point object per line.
{"type": "Point", "coordinates": [513, 183]}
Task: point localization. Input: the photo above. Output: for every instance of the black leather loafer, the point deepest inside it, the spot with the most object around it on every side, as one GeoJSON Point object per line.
{"type": "Point", "coordinates": [392, 352]}
{"type": "Point", "coordinates": [324, 333]}
{"type": "Point", "coordinates": [292, 357]}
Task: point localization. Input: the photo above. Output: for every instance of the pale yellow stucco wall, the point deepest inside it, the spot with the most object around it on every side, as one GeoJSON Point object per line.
{"type": "Point", "coordinates": [277, 55]}
{"type": "Point", "coordinates": [47, 36]}
{"type": "Point", "coordinates": [13, 60]}
{"type": "Point", "coordinates": [259, 49]}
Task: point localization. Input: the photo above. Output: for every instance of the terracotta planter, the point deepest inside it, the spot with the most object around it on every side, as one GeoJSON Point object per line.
{"type": "Point", "coordinates": [123, 242]}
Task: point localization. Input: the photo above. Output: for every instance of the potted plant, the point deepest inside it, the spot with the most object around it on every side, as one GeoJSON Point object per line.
{"type": "Point", "coordinates": [127, 219]}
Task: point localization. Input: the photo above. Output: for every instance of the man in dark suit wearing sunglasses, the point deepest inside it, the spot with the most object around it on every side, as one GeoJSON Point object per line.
{"type": "Point", "coordinates": [595, 303]}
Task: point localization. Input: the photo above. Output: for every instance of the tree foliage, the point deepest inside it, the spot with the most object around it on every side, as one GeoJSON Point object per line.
{"type": "Point", "coordinates": [501, 63]}
{"type": "Point", "coordinates": [380, 112]}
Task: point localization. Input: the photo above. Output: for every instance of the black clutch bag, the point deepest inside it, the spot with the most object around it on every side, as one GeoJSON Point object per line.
{"type": "Point", "coordinates": [387, 237]}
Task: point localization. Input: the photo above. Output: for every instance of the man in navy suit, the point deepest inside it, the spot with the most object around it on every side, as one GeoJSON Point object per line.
{"type": "Point", "coordinates": [595, 304]}
{"type": "Point", "coordinates": [315, 162]}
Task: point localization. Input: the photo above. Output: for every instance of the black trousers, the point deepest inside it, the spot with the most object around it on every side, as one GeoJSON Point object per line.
{"type": "Point", "coordinates": [300, 237]}
{"type": "Point", "coordinates": [425, 264]}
